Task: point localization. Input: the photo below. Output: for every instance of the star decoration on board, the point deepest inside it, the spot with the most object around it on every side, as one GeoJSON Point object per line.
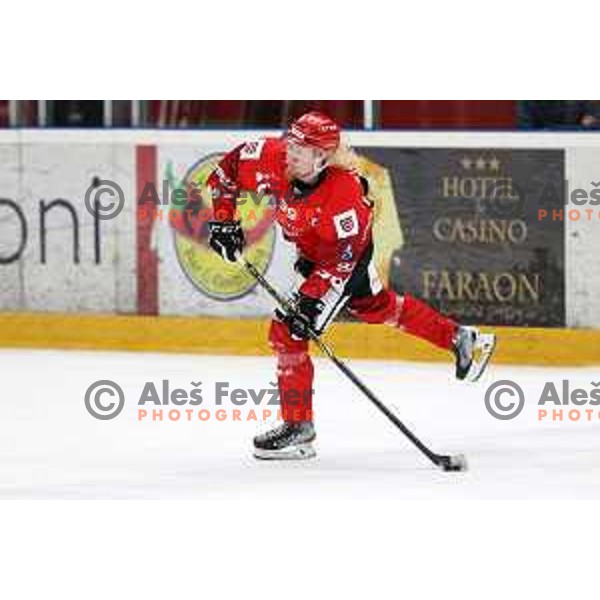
{"type": "Point", "coordinates": [480, 163]}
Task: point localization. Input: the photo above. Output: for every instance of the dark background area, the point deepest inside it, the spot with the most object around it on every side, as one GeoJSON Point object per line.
{"type": "Point", "coordinates": [386, 114]}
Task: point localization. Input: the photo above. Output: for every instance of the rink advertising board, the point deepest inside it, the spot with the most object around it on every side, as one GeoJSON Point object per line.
{"type": "Point", "coordinates": [472, 241]}
{"type": "Point", "coordinates": [438, 233]}
{"type": "Point", "coordinates": [54, 254]}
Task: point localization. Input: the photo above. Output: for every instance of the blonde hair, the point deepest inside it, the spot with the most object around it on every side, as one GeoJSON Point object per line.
{"type": "Point", "coordinates": [344, 157]}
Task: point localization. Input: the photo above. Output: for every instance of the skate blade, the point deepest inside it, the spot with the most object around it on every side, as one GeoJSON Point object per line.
{"type": "Point", "coordinates": [484, 348]}
{"type": "Point", "coordinates": [296, 452]}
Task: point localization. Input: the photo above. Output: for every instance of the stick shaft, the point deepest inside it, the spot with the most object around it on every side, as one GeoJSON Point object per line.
{"type": "Point", "coordinates": [285, 304]}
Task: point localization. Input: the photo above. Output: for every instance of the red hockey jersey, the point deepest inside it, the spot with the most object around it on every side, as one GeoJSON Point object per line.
{"type": "Point", "coordinates": [330, 222]}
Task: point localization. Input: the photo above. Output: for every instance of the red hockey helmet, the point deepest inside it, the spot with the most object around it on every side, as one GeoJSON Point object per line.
{"type": "Point", "coordinates": [315, 129]}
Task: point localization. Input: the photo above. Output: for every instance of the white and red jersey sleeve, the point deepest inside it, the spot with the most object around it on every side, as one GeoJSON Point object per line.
{"type": "Point", "coordinates": [251, 166]}
{"type": "Point", "coordinates": [343, 233]}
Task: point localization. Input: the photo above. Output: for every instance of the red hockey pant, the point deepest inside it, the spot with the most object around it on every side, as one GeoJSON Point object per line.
{"type": "Point", "coordinates": [295, 370]}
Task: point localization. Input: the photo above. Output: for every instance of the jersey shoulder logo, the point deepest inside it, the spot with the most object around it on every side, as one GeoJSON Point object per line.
{"type": "Point", "coordinates": [346, 224]}
{"type": "Point", "coordinates": [252, 150]}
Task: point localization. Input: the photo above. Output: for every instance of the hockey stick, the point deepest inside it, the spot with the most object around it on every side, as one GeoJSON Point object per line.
{"type": "Point", "coordinates": [447, 462]}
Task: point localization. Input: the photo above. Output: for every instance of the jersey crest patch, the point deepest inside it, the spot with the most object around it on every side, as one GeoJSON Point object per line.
{"type": "Point", "coordinates": [346, 224]}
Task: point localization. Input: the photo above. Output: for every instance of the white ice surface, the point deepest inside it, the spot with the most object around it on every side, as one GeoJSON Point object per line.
{"type": "Point", "coordinates": [51, 447]}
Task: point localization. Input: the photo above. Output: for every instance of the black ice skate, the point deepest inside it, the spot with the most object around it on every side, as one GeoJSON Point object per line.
{"type": "Point", "coordinates": [289, 441]}
{"type": "Point", "coordinates": [473, 351]}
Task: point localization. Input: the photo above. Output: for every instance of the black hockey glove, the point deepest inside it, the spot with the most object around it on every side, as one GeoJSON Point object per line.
{"type": "Point", "coordinates": [307, 311]}
{"type": "Point", "coordinates": [227, 239]}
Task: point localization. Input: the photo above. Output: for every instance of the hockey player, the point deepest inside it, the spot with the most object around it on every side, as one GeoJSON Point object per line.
{"type": "Point", "coordinates": [322, 207]}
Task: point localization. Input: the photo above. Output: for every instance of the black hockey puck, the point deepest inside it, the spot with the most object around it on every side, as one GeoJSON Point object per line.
{"type": "Point", "coordinates": [457, 462]}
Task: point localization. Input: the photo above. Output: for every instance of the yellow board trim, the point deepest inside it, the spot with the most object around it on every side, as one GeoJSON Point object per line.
{"type": "Point", "coordinates": [525, 346]}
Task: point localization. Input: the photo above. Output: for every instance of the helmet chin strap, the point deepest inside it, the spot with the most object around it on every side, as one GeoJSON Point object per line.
{"type": "Point", "coordinates": [319, 165]}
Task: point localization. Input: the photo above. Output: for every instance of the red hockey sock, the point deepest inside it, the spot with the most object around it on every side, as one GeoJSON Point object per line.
{"type": "Point", "coordinates": [295, 374]}
{"type": "Point", "coordinates": [420, 319]}
{"type": "Point", "coordinates": [295, 378]}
